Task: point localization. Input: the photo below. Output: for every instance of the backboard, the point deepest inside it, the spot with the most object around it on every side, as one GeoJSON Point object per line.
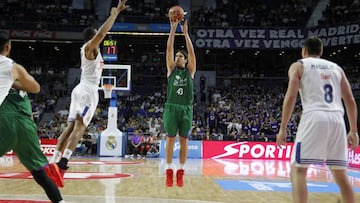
{"type": "Point", "coordinates": [118, 75]}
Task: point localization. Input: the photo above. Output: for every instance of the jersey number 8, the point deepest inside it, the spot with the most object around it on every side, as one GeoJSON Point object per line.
{"type": "Point", "coordinates": [328, 96]}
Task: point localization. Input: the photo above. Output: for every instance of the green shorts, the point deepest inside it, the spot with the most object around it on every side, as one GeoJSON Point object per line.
{"type": "Point", "coordinates": [178, 119]}
{"type": "Point", "coordinates": [18, 132]}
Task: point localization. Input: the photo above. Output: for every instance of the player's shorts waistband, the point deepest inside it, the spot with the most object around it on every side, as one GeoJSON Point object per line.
{"type": "Point", "coordinates": [177, 106]}
{"type": "Point", "coordinates": [323, 110]}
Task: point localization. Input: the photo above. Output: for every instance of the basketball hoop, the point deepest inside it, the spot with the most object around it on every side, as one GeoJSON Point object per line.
{"type": "Point", "coordinates": [107, 90]}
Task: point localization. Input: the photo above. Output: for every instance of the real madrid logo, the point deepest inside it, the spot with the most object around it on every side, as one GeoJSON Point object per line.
{"type": "Point", "coordinates": [111, 143]}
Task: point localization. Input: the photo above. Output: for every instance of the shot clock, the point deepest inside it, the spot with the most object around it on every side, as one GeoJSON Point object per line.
{"type": "Point", "coordinates": [110, 50]}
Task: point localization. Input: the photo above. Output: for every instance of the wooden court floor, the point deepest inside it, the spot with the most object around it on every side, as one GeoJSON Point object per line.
{"type": "Point", "coordinates": [113, 180]}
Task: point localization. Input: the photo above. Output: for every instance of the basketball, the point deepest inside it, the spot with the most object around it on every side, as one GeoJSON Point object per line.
{"type": "Point", "coordinates": [176, 13]}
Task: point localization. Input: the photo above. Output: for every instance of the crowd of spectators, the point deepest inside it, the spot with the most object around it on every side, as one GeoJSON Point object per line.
{"type": "Point", "coordinates": [146, 11]}
{"type": "Point", "coordinates": [64, 15]}
{"type": "Point", "coordinates": [340, 12]}
{"type": "Point", "coordinates": [44, 15]}
{"type": "Point", "coordinates": [248, 13]}
{"type": "Point", "coordinates": [57, 15]}
{"type": "Point", "coordinates": [243, 111]}
{"type": "Point", "coordinates": [53, 86]}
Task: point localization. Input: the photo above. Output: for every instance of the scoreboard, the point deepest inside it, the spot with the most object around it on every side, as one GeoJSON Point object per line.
{"type": "Point", "coordinates": [110, 51]}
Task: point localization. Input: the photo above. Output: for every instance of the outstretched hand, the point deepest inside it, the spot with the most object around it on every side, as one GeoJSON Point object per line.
{"type": "Point", "coordinates": [120, 7]}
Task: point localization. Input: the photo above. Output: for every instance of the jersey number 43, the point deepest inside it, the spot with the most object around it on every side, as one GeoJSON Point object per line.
{"type": "Point", "coordinates": [180, 91]}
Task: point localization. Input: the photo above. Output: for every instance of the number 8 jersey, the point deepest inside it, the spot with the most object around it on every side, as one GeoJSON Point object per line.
{"type": "Point", "coordinates": [180, 87]}
{"type": "Point", "coordinates": [320, 85]}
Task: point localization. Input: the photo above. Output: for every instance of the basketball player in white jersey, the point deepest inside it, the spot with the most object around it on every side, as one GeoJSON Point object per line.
{"type": "Point", "coordinates": [321, 136]}
{"type": "Point", "coordinates": [84, 97]}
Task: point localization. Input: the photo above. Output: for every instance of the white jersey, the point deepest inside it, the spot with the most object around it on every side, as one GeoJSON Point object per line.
{"type": "Point", "coordinates": [320, 85]}
{"type": "Point", "coordinates": [91, 70]}
{"type": "Point", "coordinates": [6, 78]}
{"type": "Point", "coordinates": [85, 96]}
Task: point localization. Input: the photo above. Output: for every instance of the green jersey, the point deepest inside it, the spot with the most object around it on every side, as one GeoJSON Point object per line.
{"type": "Point", "coordinates": [16, 102]}
{"type": "Point", "coordinates": [180, 87]}
{"type": "Point", "coordinates": [18, 131]}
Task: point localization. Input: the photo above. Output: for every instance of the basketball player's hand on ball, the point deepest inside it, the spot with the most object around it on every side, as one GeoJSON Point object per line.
{"type": "Point", "coordinates": [174, 24]}
{"type": "Point", "coordinates": [353, 140]}
{"type": "Point", "coordinates": [184, 27]}
{"type": "Point", "coordinates": [281, 138]}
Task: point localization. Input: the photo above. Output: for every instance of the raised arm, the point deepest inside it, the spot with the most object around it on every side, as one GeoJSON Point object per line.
{"type": "Point", "coordinates": [170, 59]}
{"type": "Point", "coordinates": [101, 33]}
{"type": "Point", "coordinates": [190, 49]}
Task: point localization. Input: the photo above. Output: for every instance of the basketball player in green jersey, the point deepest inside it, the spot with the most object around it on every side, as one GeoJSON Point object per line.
{"type": "Point", "coordinates": [178, 113]}
{"type": "Point", "coordinates": [17, 129]}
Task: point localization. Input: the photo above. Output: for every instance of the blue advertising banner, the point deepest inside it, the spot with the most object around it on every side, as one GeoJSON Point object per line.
{"type": "Point", "coordinates": [194, 149]}
{"type": "Point", "coordinates": [274, 38]}
{"type": "Point", "coordinates": [133, 27]}
{"type": "Point", "coordinates": [123, 27]}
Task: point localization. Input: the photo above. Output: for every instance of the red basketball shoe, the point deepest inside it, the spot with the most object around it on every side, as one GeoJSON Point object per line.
{"type": "Point", "coordinates": [54, 173]}
{"type": "Point", "coordinates": [169, 177]}
{"type": "Point", "coordinates": [179, 177]}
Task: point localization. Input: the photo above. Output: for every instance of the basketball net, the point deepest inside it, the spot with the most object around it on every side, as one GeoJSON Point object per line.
{"type": "Point", "coordinates": [107, 90]}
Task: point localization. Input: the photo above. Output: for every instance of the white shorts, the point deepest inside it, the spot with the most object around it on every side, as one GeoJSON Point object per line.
{"type": "Point", "coordinates": [321, 138]}
{"type": "Point", "coordinates": [84, 100]}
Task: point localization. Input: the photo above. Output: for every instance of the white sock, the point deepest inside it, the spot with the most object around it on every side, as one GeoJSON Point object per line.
{"type": "Point", "coordinates": [168, 165]}
{"type": "Point", "coordinates": [182, 166]}
{"type": "Point", "coordinates": [56, 156]}
{"type": "Point", "coordinates": [62, 201]}
{"type": "Point", "coordinates": [67, 153]}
